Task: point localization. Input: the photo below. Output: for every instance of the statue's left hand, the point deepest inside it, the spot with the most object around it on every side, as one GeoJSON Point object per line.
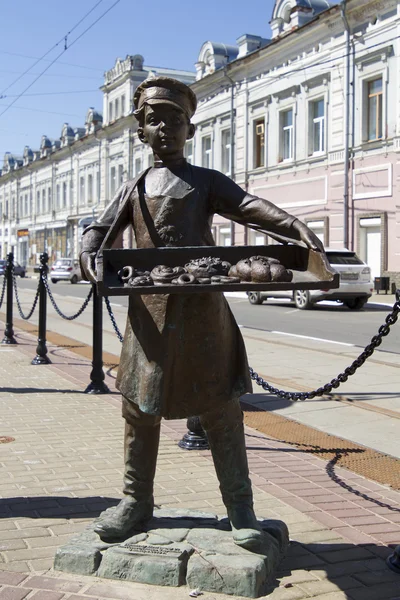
{"type": "Point", "coordinates": [307, 236]}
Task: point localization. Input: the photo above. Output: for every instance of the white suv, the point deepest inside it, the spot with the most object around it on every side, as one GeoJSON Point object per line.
{"type": "Point", "coordinates": [354, 290]}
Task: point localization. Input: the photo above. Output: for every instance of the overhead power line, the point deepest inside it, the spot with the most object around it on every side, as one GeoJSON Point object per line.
{"type": "Point", "coordinates": [61, 62]}
{"type": "Point", "coordinates": [52, 75]}
{"type": "Point", "coordinates": [58, 56]}
{"type": "Point", "coordinates": [63, 39]}
{"type": "Point", "coordinates": [49, 94]}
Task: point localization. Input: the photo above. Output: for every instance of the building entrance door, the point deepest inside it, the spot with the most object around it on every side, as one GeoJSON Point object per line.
{"type": "Point", "coordinates": [370, 244]}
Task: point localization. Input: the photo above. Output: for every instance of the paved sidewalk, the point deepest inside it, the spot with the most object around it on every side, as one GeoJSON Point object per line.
{"type": "Point", "coordinates": [64, 467]}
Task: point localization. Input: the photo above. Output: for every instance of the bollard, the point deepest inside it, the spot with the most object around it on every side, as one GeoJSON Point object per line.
{"type": "Point", "coordinates": [41, 357]}
{"type": "Point", "coordinates": [97, 385]}
{"type": "Point", "coordinates": [195, 438]}
{"type": "Point", "coordinates": [9, 331]}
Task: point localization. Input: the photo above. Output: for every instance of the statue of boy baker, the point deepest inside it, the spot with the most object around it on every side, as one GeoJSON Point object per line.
{"type": "Point", "coordinates": [183, 354]}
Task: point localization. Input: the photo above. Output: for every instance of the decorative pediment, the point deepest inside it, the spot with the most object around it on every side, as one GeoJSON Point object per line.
{"type": "Point", "coordinates": [214, 56]}
{"type": "Point", "coordinates": [93, 121]}
{"type": "Point", "coordinates": [291, 14]}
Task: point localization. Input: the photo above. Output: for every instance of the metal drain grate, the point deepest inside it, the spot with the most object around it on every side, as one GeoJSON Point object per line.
{"type": "Point", "coordinates": [363, 461]}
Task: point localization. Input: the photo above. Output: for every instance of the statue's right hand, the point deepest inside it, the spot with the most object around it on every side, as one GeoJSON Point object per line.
{"type": "Point", "coordinates": [88, 268]}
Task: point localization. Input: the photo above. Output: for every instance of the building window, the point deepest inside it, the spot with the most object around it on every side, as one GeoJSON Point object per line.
{"type": "Point", "coordinates": [225, 236]}
{"type": "Point", "coordinates": [71, 193]}
{"type": "Point", "coordinates": [375, 109]}
{"type": "Point", "coordinates": [43, 201]}
{"type": "Point", "coordinates": [206, 158]}
{"type": "Point", "coordinates": [37, 203]}
{"type": "Point", "coordinates": [189, 151]}
{"type": "Point", "coordinates": [49, 199]}
{"type": "Point", "coordinates": [26, 210]}
{"type": "Point", "coordinates": [120, 174]}
{"type": "Point", "coordinates": [259, 143]}
{"type": "Point", "coordinates": [82, 190]}
{"type": "Point", "coordinates": [122, 106]}
{"type": "Point", "coordinates": [110, 111]}
{"type": "Point", "coordinates": [287, 134]}
{"type": "Point", "coordinates": [113, 181]}
{"type": "Point", "coordinates": [90, 189]}
{"type": "Point", "coordinates": [226, 152]}
{"type": "Point", "coordinates": [58, 196]}
{"type": "Point", "coordinates": [64, 199]}
{"type": "Point", "coordinates": [116, 108]}
{"type": "Point", "coordinates": [137, 166]}
{"type": "Point", "coordinates": [317, 125]}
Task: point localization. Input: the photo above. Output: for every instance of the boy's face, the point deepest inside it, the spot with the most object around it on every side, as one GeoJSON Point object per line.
{"type": "Point", "coordinates": [165, 129]}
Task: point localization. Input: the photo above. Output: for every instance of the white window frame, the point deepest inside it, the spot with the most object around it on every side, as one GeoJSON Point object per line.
{"type": "Point", "coordinates": [257, 123]}
{"type": "Point", "coordinates": [90, 189]}
{"type": "Point", "coordinates": [226, 163]}
{"type": "Point", "coordinates": [370, 74]}
{"type": "Point", "coordinates": [110, 111]}
{"type": "Point", "coordinates": [189, 151]}
{"type": "Point", "coordinates": [138, 165]}
{"type": "Point", "coordinates": [206, 154]}
{"type": "Point", "coordinates": [223, 230]}
{"type": "Point", "coordinates": [314, 122]}
{"type": "Point", "coordinates": [120, 180]}
{"type": "Point", "coordinates": [113, 181]}
{"type": "Point", "coordinates": [283, 129]}
{"type": "Point", "coordinates": [82, 190]}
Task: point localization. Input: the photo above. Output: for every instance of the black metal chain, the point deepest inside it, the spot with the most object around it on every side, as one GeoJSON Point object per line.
{"type": "Point", "coordinates": [113, 321]}
{"type": "Point", "coordinates": [376, 341]}
{"type": "Point", "coordinates": [3, 290]}
{"type": "Point", "coordinates": [56, 308]}
{"type": "Point", "coordinates": [21, 313]}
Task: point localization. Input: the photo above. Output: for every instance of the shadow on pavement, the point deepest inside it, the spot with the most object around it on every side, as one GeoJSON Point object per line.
{"type": "Point", "coordinates": [358, 571]}
{"type": "Point", "coordinates": [57, 507]}
{"type": "Point", "coordinates": [32, 390]}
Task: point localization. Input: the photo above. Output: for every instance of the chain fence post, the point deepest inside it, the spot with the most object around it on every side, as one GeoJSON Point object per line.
{"type": "Point", "coordinates": [41, 357]}
{"type": "Point", "coordinates": [97, 385]}
{"type": "Point", "coordinates": [196, 437]}
{"type": "Point", "coordinates": [9, 331]}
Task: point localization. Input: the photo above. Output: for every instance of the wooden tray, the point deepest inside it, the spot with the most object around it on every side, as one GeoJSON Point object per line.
{"type": "Point", "coordinates": [311, 269]}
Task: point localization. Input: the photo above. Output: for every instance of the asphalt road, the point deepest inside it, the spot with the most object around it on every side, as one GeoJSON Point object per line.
{"type": "Point", "coordinates": [325, 321]}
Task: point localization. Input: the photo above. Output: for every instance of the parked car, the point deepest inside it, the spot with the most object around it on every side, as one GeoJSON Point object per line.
{"type": "Point", "coordinates": [65, 269]}
{"type": "Point", "coordinates": [355, 287]}
{"type": "Point", "coordinates": [18, 269]}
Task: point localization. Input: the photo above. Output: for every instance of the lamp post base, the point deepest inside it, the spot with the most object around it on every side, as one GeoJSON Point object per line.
{"type": "Point", "coordinates": [195, 438]}
{"type": "Point", "coordinates": [97, 388]}
{"type": "Point", "coordinates": [393, 561]}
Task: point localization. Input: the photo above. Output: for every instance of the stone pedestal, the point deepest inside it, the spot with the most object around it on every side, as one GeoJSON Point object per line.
{"type": "Point", "coordinates": [180, 547]}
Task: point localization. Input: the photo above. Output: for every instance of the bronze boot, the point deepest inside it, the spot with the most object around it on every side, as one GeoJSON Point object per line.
{"type": "Point", "coordinates": [140, 451]}
{"type": "Point", "coordinates": [226, 437]}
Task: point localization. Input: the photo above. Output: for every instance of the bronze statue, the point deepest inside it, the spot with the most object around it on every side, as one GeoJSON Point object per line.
{"type": "Point", "coordinates": [183, 354]}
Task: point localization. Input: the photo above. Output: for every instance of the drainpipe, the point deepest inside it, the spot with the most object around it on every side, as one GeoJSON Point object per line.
{"type": "Point", "coordinates": [346, 129]}
{"type": "Point", "coordinates": [232, 149]}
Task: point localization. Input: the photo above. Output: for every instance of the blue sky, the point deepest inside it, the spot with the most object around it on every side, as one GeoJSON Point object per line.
{"type": "Point", "coordinates": [169, 35]}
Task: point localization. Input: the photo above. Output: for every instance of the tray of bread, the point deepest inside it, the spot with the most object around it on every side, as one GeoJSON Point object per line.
{"type": "Point", "coordinates": [199, 269]}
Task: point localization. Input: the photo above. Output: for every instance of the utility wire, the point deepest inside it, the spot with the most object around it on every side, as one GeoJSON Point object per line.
{"type": "Point", "coordinates": [63, 39]}
{"type": "Point", "coordinates": [48, 94]}
{"type": "Point", "coordinates": [58, 56]}
{"type": "Point", "coordinates": [46, 60]}
{"type": "Point", "coordinates": [51, 75]}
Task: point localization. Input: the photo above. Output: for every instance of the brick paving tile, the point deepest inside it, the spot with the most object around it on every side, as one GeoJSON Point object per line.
{"type": "Point", "coordinates": [7, 578]}
{"type": "Point", "coordinates": [386, 591]}
{"type": "Point", "coordinates": [341, 584]}
{"type": "Point", "coordinates": [355, 553]}
{"type": "Point", "coordinates": [55, 584]}
{"type": "Point", "coordinates": [353, 535]}
{"type": "Point", "coordinates": [13, 593]}
{"type": "Point", "coordinates": [45, 595]}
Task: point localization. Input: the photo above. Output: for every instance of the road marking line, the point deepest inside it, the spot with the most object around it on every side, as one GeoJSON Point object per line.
{"type": "Point", "coordinates": [309, 337]}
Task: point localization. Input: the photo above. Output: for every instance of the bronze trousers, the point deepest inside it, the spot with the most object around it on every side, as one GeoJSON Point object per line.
{"type": "Point", "coordinates": [224, 427]}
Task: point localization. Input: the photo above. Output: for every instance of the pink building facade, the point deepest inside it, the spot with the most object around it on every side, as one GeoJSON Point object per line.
{"type": "Point", "coordinates": [314, 116]}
